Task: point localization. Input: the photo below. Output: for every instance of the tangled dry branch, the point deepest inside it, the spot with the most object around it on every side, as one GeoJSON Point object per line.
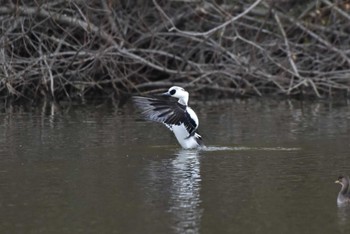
{"type": "Point", "coordinates": [71, 49]}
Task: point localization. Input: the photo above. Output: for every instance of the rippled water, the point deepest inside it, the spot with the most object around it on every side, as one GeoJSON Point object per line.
{"type": "Point", "coordinates": [269, 167]}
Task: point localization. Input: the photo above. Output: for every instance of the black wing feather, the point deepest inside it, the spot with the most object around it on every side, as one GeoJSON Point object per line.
{"type": "Point", "coordinates": [165, 110]}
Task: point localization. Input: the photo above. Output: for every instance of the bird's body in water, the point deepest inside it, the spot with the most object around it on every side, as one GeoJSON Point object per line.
{"type": "Point", "coordinates": [173, 111]}
{"type": "Point", "coordinates": [344, 194]}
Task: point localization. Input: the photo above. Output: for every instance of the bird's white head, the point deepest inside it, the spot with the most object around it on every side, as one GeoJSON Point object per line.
{"type": "Point", "coordinates": [179, 93]}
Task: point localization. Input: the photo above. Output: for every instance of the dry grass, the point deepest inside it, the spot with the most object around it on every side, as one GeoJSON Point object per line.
{"type": "Point", "coordinates": [73, 49]}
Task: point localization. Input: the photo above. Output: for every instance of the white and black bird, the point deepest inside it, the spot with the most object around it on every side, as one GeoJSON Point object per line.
{"type": "Point", "coordinates": [172, 110]}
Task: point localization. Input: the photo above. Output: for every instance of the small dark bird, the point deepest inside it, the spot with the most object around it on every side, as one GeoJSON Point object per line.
{"type": "Point", "coordinates": [344, 194]}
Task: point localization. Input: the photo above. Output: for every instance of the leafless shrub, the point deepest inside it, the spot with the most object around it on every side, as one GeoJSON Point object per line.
{"type": "Point", "coordinates": [68, 49]}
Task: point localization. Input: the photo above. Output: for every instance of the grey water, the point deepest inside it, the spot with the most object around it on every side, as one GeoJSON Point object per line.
{"type": "Point", "coordinates": [269, 167]}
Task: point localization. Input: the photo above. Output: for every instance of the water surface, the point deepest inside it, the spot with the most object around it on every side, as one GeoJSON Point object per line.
{"type": "Point", "coordinates": [269, 167]}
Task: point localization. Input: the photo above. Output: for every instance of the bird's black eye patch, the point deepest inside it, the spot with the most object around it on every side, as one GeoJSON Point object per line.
{"type": "Point", "coordinates": [172, 92]}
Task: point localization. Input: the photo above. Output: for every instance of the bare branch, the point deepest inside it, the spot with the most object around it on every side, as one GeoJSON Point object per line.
{"type": "Point", "coordinates": [211, 30]}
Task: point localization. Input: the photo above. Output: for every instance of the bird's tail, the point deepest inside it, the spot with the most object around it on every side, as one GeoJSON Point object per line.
{"type": "Point", "coordinates": [199, 139]}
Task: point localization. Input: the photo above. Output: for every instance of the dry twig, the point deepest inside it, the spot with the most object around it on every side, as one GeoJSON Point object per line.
{"type": "Point", "coordinates": [71, 49]}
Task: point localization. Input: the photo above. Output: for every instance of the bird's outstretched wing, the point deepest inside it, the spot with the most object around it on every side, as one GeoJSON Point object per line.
{"type": "Point", "coordinates": [165, 110]}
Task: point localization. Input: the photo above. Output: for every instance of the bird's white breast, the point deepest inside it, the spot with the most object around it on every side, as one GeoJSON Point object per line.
{"type": "Point", "coordinates": [182, 136]}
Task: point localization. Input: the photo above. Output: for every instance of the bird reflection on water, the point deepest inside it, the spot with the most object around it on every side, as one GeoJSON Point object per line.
{"type": "Point", "coordinates": [185, 197]}
{"type": "Point", "coordinates": [174, 181]}
{"type": "Point", "coordinates": [343, 217]}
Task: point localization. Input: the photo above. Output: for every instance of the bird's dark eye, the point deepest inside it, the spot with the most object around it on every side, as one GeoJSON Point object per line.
{"type": "Point", "coordinates": [172, 92]}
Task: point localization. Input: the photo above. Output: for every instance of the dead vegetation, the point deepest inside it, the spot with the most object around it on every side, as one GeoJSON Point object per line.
{"type": "Point", "coordinates": [73, 49]}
